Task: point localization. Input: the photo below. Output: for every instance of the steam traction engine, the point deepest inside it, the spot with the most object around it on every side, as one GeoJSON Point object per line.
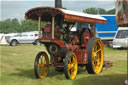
{"type": "Point", "coordinates": [68, 49]}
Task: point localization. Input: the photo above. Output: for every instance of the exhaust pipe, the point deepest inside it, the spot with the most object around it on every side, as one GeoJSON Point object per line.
{"type": "Point", "coordinates": [58, 3]}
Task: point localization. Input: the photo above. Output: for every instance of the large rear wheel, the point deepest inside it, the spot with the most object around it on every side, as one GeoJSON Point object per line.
{"type": "Point", "coordinates": [70, 66]}
{"type": "Point", "coordinates": [95, 56]}
{"type": "Point", "coordinates": [41, 65]}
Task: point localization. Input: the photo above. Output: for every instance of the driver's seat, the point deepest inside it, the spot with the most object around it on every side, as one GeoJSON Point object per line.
{"type": "Point", "coordinates": [47, 30]}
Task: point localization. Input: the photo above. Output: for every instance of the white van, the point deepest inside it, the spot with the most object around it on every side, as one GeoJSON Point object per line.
{"type": "Point", "coordinates": [121, 38]}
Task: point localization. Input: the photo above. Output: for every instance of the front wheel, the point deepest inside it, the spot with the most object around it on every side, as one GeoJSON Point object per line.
{"type": "Point", "coordinates": [95, 56]}
{"type": "Point", "coordinates": [70, 65]}
{"type": "Point", "coordinates": [13, 43]}
{"type": "Point", "coordinates": [41, 65]}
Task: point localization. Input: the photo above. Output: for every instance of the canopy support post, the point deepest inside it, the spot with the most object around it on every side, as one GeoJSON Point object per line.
{"type": "Point", "coordinates": [80, 28]}
{"type": "Point", "coordinates": [93, 28]}
{"type": "Point", "coordinates": [83, 25]}
{"type": "Point", "coordinates": [39, 26]}
{"type": "Point", "coordinates": [53, 22]}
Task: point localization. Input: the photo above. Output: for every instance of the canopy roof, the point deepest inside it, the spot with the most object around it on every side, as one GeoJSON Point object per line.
{"type": "Point", "coordinates": [46, 14]}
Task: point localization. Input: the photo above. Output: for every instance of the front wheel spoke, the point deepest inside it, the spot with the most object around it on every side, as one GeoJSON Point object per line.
{"type": "Point", "coordinates": [95, 60]}
{"type": "Point", "coordinates": [94, 66]}
{"type": "Point", "coordinates": [41, 71]}
{"type": "Point", "coordinates": [72, 69]}
{"type": "Point", "coordinates": [41, 58]}
{"type": "Point", "coordinates": [41, 65]}
{"type": "Point", "coordinates": [95, 63]}
{"type": "Point", "coordinates": [45, 65]}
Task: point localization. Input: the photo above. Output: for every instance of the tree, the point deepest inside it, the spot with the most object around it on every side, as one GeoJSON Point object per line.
{"type": "Point", "coordinates": [98, 11]}
{"type": "Point", "coordinates": [5, 26]}
{"type": "Point", "coordinates": [101, 11]}
{"type": "Point", "coordinates": [15, 24]}
{"type": "Point", "coordinates": [112, 11]}
{"type": "Point", "coordinates": [8, 26]}
{"type": "Point", "coordinates": [91, 11]}
{"type": "Point", "coordinates": [27, 25]}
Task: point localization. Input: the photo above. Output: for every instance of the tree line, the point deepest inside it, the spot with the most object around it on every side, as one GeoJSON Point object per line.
{"type": "Point", "coordinates": [13, 25]}
{"type": "Point", "coordinates": [98, 11]}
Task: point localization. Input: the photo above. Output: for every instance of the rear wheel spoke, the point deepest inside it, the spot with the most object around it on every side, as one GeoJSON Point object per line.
{"type": "Point", "coordinates": [98, 50]}
{"type": "Point", "coordinates": [69, 66]}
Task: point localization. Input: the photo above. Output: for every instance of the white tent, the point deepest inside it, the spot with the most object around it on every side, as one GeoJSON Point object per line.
{"type": "Point", "coordinates": [2, 38]}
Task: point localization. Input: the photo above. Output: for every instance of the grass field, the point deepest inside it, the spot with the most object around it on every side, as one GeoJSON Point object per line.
{"type": "Point", "coordinates": [16, 68]}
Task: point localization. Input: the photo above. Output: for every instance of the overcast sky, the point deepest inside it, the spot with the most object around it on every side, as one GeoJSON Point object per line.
{"type": "Point", "coordinates": [17, 8]}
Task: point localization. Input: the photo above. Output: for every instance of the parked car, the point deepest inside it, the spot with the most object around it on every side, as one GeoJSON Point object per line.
{"type": "Point", "coordinates": [24, 38]}
{"type": "Point", "coordinates": [121, 38]}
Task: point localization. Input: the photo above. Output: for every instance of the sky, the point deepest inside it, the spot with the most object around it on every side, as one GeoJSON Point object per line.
{"type": "Point", "coordinates": [17, 8]}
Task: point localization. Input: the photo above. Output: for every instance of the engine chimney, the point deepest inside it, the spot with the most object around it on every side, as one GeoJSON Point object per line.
{"type": "Point", "coordinates": [58, 3]}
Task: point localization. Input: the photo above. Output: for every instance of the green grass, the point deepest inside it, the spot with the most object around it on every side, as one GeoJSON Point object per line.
{"type": "Point", "coordinates": [16, 68]}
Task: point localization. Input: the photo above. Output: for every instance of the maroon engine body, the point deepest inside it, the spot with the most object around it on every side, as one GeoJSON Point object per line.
{"type": "Point", "coordinates": [58, 48]}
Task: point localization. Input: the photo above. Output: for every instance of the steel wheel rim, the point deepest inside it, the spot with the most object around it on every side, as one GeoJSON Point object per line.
{"type": "Point", "coordinates": [97, 56]}
{"type": "Point", "coordinates": [72, 66]}
{"type": "Point", "coordinates": [14, 43]}
{"type": "Point", "coordinates": [43, 66]}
